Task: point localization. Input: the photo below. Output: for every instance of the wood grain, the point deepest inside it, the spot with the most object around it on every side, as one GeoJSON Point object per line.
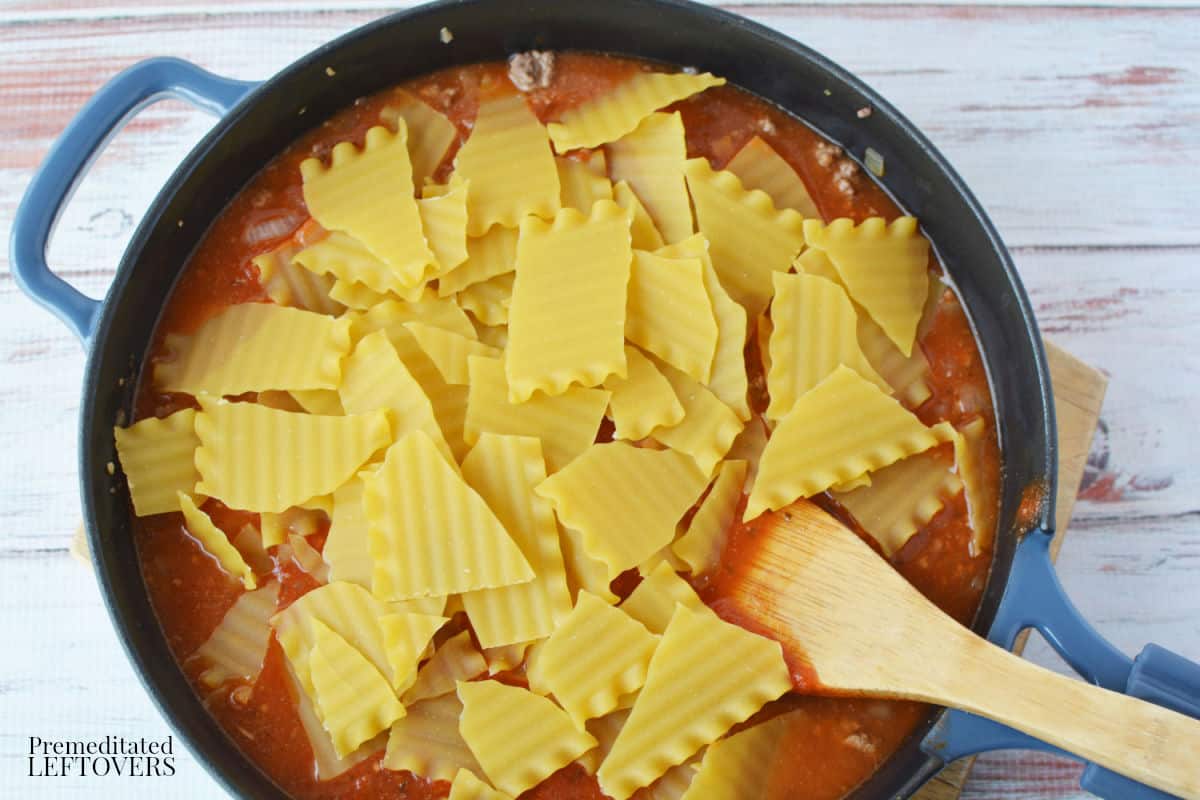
{"type": "Point", "coordinates": [1078, 127]}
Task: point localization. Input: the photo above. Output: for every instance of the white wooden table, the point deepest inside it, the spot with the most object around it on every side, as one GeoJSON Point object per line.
{"type": "Point", "coordinates": [1078, 126]}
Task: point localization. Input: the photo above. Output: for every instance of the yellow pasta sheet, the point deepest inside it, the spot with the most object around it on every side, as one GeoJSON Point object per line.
{"type": "Point", "coordinates": [307, 557]}
{"type": "Point", "coordinates": [814, 331]}
{"type": "Point", "coordinates": [354, 700]}
{"type": "Point", "coordinates": [567, 319]}
{"type": "Point", "coordinates": [708, 428]}
{"type": "Point", "coordinates": [237, 646]}
{"type": "Point", "coordinates": [157, 457]}
{"type": "Point", "coordinates": [508, 161]}
{"type": "Point", "coordinates": [669, 313]}
{"type": "Point", "coordinates": [252, 347]}
{"type": "Point", "coordinates": [444, 220]}
{"type": "Point", "coordinates": [885, 268]}
{"type": "Point", "coordinates": [289, 284]}
{"type": "Point", "coordinates": [392, 315]}
{"type": "Point", "coordinates": [700, 547]}
{"type": "Point", "coordinates": [276, 528]}
{"type": "Point", "coordinates": [566, 424]}
{"type": "Point", "coordinates": [732, 768]}
{"type": "Point", "coordinates": [583, 571]}
{"type": "Point", "coordinates": [748, 447]}
{"type": "Point", "coordinates": [838, 430]}
{"type": "Point", "coordinates": [369, 194]}
{"type": "Point", "coordinates": [350, 261]}
{"type": "Point", "coordinates": [594, 657]}
{"type": "Point", "coordinates": [456, 660]}
{"type": "Point", "coordinates": [504, 471]}
{"type": "Point", "coordinates": [490, 255]}
{"type": "Point", "coordinates": [653, 602]}
{"type": "Point", "coordinates": [519, 738]}
{"type": "Point", "coordinates": [728, 380]}
{"type": "Point", "coordinates": [656, 487]}
{"type": "Point", "coordinates": [902, 497]}
{"type": "Point", "coordinates": [650, 160]}
{"type": "Point", "coordinates": [426, 742]}
{"type": "Point", "coordinates": [259, 459]}
{"type": "Point", "coordinates": [706, 676]}
{"type": "Point", "coordinates": [375, 378]}
{"type": "Point", "coordinates": [317, 401]}
{"type": "Point", "coordinates": [430, 133]}
{"type": "Point", "coordinates": [449, 351]}
{"type": "Point", "coordinates": [357, 296]}
{"type": "Point", "coordinates": [907, 375]}
{"type": "Point", "coordinates": [405, 637]}
{"type": "Point", "coordinates": [643, 400]}
{"type": "Point", "coordinates": [748, 238]}
{"type": "Point", "coordinates": [642, 230]}
{"type": "Point", "coordinates": [489, 300]}
{"type": "Point", "coordinates": [430, 533]}
{"type": "Point", "coordinates": [758, 166]}
{"type": "Point", "coordinates": [610, 116]}
{"type": "Point", "coordinates": [468, 787]}
{"type": "Point", "coordinates": [214, 542]}
{"type": "Point", "coordinates": [581, 184]}
{"type": "Point", "coordinates": [968, 460]}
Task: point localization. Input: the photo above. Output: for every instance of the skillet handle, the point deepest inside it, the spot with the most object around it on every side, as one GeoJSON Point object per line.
{"type": "Point", "coordinates": [1035, 598]}
{"type": "Point", "coordinates": [69, 158]}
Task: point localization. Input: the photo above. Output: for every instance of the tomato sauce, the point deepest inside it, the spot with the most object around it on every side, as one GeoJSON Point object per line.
{"type": "Point", "coordinates": [836, 742]}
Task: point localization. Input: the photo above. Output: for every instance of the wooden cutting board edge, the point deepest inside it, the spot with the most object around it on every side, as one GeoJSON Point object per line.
{"type": "Point", "coordinates": [1078, 395]}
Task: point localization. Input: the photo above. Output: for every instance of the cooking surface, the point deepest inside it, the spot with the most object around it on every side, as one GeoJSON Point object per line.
{"type": "Point", "coordinates": [1021, 100]}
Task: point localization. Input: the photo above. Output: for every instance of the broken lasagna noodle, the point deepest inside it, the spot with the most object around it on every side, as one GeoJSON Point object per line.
{"type": "Point", "coordinates": [431, 491]}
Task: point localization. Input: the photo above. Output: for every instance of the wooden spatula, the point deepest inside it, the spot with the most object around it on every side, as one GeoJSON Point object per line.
{"type": "Point", "coordinates": [836, 606]}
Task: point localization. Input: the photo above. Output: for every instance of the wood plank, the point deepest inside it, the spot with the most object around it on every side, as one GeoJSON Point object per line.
{"type": "Point", "coordinates": [1012, 96]}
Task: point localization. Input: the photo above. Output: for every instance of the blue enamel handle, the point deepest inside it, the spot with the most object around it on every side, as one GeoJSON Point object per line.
{"type": "Point", "coordinates": [1035, 598]}
{"type": "Point", "coordinates": [69, 158]}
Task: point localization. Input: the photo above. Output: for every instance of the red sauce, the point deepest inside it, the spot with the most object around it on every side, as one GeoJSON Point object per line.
{"type": "Point", "coordinates": [837, 742]}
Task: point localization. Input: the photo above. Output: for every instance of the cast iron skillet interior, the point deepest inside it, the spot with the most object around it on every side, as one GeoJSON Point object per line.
{"type": "Point", "coordinates": [407, 45]}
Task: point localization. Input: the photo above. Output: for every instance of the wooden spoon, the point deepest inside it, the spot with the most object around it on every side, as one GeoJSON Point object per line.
{"type": "Point", "coordinates": [836, 606]}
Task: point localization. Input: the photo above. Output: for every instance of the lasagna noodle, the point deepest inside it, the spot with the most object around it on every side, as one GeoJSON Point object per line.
{"type": "Point", "coordinates": [308, 558]}
{"type": "Point", "coordinates": [350, 261]}
{"type": "Point", "coordinates": [430, 133]}
{"type": "Point", "coordinates": [426, 742]}
{"type": "Point", "coordinates": [656, 487]}
{"type": "Point", "coordinates": [604, 730]}
{"type": "Point", "coordinates": [518, 737]}
{"type": "Point", "coordinates": [838, 430]}
{"type": "Point", "coordinates": [276, 528]}
{"type": "Point", "coordinates": [705, 677]}
{"type": "Point", "coordinates": [732, 768]}
{"type": "Point", "coordinates": [748, 238]}
{"type": "Point", "coordinates": [449, 351]}
{"type": "Point", "coordinates": [357, 296]}
{"type": "Point", "coordinates": [318, 401]}
{"type": "Point", "coordinates": [354, 700]}
{"type": "Point", "coordinates": [758, 166]}
{"type": "Point", "coordinates": [490, 255]}
{"type": "Point", "coordinates": [672, 785]}
{"type": "Point", "coordinates": [885, 268]}
{"type": "Point", "coordinates": [288, 284]}
{"type": "Point", "coordinates": [467, 786]}
{"type": "Point", "coordinates": [250, 347]}
{"type": "Point", "coordinates": [248, 542]}
{"type": "Point", "coordinates": [259, 459]}
{"type": "Point", "coordinates": [650, 161]}
{"type": "Point", "coordinates": [237, 646]}
{"type": "Point", "coordinates": [728, 380]}
{"type": "Point", "coordinates": [375, 378]}
{"type": "Point", "coordinates": [587, 681]}
{"type": "Point", "coordinates": [328, 764]}
{"type": "Point", "coordinates": [392, 315]}
{"type": "Point", "coordinates": [456, 660]}
{"type": "Point", "coordinates": [968, 460]}
{"type": "Point", "coordinates": [508, 656]}
{"type": "Point", "coordinates": [708, 428]}
{"type": "Point", "coordinates": [213, 541]}
{"type": "Point", "coordinates": [581, 184]}
{"type": "Point", "coordinates": [369, 194]}
{"type": "Point", "coordinates": [653, 602]}
{"type": "Point", "coordinates": [405, 637]}
{"type": "Point", "coordinates": [433, 536]}
{"type": "Point", "coordinates": [157, 457]}
{"type": "Point", "coordinates": [566, 424]}
{"type": "Point", "coordinates": [668, 312]}
{"type": "Point", "coordinates": [907, 375]}
{"type": "Point", "coordinates": [444, 220]}
{"type": "Point", "coordinates": [748, 447]}
{"type": "Point", "coordinates": [642, 229]}
{"type": "Point", "coordinates": [489, 300]}
{"type": "Point", "coordinates": [612, 115]}
{"type": "Point", "coordinates": [504, 471]}
{"type": "Point", "coordinates": [508, 161]}
{"type": "Point", "coordinates": [700, 547]}
{"type": "Point", "coordinates": [584, 573]}
{"type": "Point", "coordinates": [814, 331]}
{"type": "Point", "coordinates": [643, 400]}
{"type": "Point", "coordinates": [901, 498]}
{"type": "Point", "coordinates": [567, 318]}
